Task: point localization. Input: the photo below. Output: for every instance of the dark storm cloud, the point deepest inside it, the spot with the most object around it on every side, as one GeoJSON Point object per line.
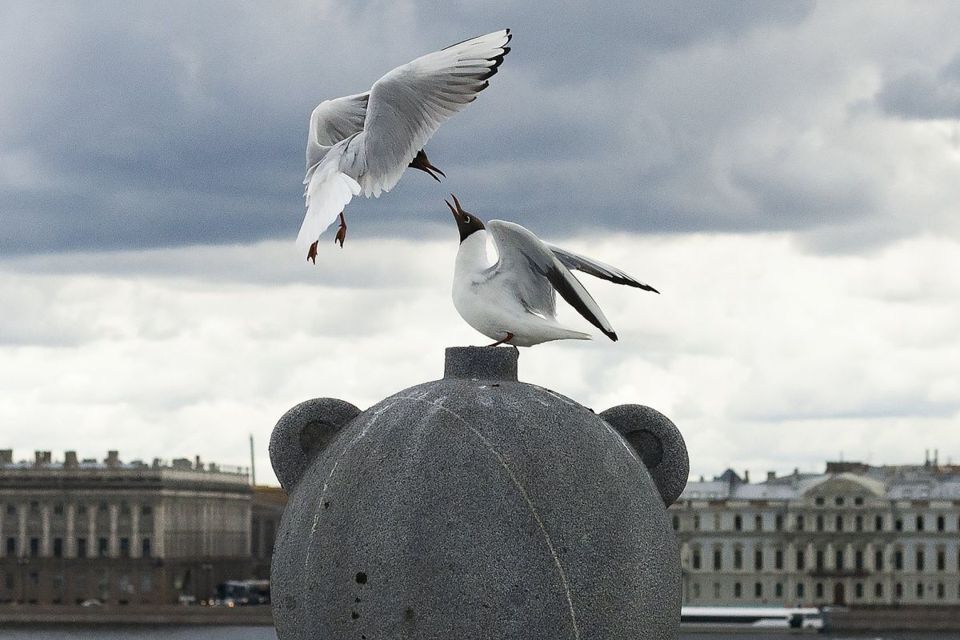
{"type": "Point", "coordinates": [170, 124]}
{"type": "Point", "coordinates": [924, 94]}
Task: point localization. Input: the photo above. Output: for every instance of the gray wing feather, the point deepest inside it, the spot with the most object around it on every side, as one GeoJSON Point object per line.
{"type": "Point", "coordinates": [597, 269]}
{"type": "Point", "coordinates": [537, 273]}
{"type": "Point", "coordinates": [409, 104]}
{"type": "Point", "coordinates": [333, 121]}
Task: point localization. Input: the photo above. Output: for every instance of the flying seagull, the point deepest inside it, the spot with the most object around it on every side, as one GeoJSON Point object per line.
{"type": "Point", "coordinates": [363, 143]}
{"type": "Point", "coordinates": [513, 301]}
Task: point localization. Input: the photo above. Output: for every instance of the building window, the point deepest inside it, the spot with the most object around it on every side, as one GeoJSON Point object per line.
{"type": "Point", "coordinates": [839, 523]}
{"type": "Point", "coordinates": [898, 559]}
{"type": "Point", "coordinates": [81, 547]}
{"type": "Point", "coordinates": [778, 559]}
{"type": "Point", "coordinates": [878, 590]}
{"type": "Point", "coordinates": [696, 523]}
{"type": "Point", "coordinates": [819, 523]}
{"type": "Point", "coordinates": [676, 523]}
{"type": "Point", "coordinates": [898, 524]}
{"type": "Point", "coordinates": [696, 558]}
{"type": "Point", "coordinates": [34, 506]}
{"type": "Point", "coordinates": [146, 547]}
{"type": "Point", "coordinates": [778, 590]}
{"type": "Point", "coordinates": [758, 560]}
{"type": "Point", "coordinates": [799, 523]}
{"type": "Point", "coordinates": [839, 558]}
{"type": "Point", "coordinates": [82, 509]}
{"type": "Point", "coordinates": [758, 590]}
{"type": "Point", "coordinates": [898, 590]}
{"type": "Point", "coordinates": [716, 522]}
{"type": "Point", "coordinates": [819, 590]}
{"type": "Point", "coordinates": [878, 523]}
{"type": "Point", "coordinates": [941, 560]}
{"type": "Point", "coordinates": [758, 522]}
{"type": "Point", "coordinates": [919, 591]}
{"type": "Point", "coordinates": [738, 558]}
{"type": "Point", "coordinates": [778, 522]}
{"type": "Point", "coordinates": [838, 501]}
{"type": "Point", "coordinates": [58, 547]}
{"type": "Point", "coordinates": [124, 509]}
{"type": "Point", "coordinates": [920, 558]}
{"type": "Point", "coordinates": [737, 590]}
{"type": "Point", "coordinates": [858, 590]}
{"type": "Point", "coordinates": [11, 510]}
{"type": "Point", "coordinates": [58, 509]}
{"type": "Point", "coordinates": [819, 500]}
{"type": "Point", "coordinates": [858, 560]}
{"type": "Point", "coordinates": [11, 546]}
{"type": "Point", "coordinates": [102, 507]}
{"type": "Point", "coordinates": [146, 583]}
{"type": "Point", "coordinates": [34, 547]}
{"type": "Point", "coordinates": [919, 523]}
{"type": "Point", "coordinates": [858, 523]}
{"type": "Point", "coordinates": [146, 510]}
{"type": "Point", "coordinates": [102, 547]}
{"type": "Point", "coordinates": [801, 560]}
{"type": "Point", "coordinates": [819, 559]}
{"type": "Point", "coordinates": [738, 523]}
{"type": "Point", "coordinates": [799, 589]}
{"type": "Point", "coordinates": [124, 547]}
{"type": "Point", "coordinates": [858, 501]}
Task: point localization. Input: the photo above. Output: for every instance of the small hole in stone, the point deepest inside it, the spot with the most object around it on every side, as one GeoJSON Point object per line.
{"type": "Point", "coordinates": [326, 505]}
{"type": "Point", "coordinates": [356, 599]}
{"type": "Point", "coordinates": [361, 578]}
{"type": "Point", "coordinates": [354, 615]}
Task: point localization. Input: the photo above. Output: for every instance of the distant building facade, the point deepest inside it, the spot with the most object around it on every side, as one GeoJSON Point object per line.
{"type": "Point", "coordinates": [120, 532]}
{"type": "Point", "coordinates": [854, 535]}
{"type": "Point", "coordinates": [268, 504]}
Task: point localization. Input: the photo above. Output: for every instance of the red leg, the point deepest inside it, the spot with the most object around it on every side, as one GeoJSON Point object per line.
{"type": "Point", "coordinates": [312, 253]}
{"type": "Point", "coordinates": [341, 232]}
{"type": "Point", "coordinates": [500, 342]}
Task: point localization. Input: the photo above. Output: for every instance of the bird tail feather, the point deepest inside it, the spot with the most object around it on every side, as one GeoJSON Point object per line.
{"type": "Point", "coordinates": [327, 193]}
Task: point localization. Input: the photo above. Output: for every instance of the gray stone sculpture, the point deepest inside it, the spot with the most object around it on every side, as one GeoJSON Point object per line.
{"type": "Point", "coordinates": [480, 507]}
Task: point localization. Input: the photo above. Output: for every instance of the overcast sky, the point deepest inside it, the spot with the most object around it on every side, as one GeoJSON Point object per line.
{"type": "Point", "coordinates": [787, 174]}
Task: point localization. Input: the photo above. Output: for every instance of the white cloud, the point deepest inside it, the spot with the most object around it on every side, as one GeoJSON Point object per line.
{"type": "Point", "coordinates": [764, 356]}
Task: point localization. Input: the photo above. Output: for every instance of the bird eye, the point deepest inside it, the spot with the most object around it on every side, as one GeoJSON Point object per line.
{"type": "Point", "coordinates": [466, 219]}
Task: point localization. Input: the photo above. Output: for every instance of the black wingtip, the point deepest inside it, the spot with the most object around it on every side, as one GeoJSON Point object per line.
{"type": "Point", "coordinates": [610, 334]}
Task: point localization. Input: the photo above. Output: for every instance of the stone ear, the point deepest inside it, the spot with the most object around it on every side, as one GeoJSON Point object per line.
{"type": "Point", "coordinates": [304, 431]}
{"type": "Point", "coordinates": [659, 444]}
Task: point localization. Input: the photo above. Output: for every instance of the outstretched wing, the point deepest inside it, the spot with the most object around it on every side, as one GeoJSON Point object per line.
{"type": "Point", "coordinates": [408, 105]}
{"type": "Point", "coordinates": [597, 269]}
{"type": "Point", "coordinates": [531, 266]}
{"type": "Point", "coordinates": [333, 121]}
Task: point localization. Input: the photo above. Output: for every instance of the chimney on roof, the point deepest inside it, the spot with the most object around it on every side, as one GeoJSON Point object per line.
{"type": "Point", "coordinates": [113, 458]}
{"type": "Point", "coordinates": [6, 456]}
{"type": "Point", "coordinates": [771, 475]}
{"type": "Point", "coordinates": [199, 465]}
{"type": "Point", "coordinates": [746, 476]}
{"type": "Point", "coordinates": [70, 460]}
{"type": "Point", "coordinates": [936, 458]}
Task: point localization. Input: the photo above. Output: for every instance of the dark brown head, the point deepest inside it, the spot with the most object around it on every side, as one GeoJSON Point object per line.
{"type": "Point", "coordinates": [467, 223]}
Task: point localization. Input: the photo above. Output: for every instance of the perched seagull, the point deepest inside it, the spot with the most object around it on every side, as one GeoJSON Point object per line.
{"type": "Point", "coordinates": [363, 142]}
{"type": "Point", "coordinates": [513, 301]}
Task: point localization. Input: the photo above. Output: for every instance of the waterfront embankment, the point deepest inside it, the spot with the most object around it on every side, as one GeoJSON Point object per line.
{"type": "Point", "coordinates": [135, 615]}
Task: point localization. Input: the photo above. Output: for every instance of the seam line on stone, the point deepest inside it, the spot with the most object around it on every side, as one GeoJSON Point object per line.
{"type": "Point", "coordinates": [526, 498]}
{"type": "Point", "coordinates": [336, 463]}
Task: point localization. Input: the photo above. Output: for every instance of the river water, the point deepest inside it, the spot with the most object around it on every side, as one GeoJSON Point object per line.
{"type": "Point", "coordinates": [267, 633]}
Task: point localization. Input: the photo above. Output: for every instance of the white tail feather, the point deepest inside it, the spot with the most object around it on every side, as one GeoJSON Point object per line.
{"type": "Point", "coordinates": [327, 193]}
